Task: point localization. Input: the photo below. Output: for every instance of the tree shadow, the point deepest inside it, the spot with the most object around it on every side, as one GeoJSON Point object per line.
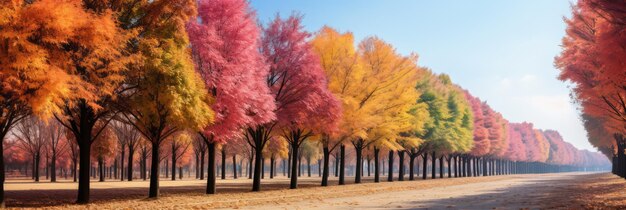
{"type": "Point", "coordinates": [58, 197]}
{"type": "Point", "coordinates": [530, 194]}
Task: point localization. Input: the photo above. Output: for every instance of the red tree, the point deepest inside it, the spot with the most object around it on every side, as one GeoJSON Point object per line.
{"type": "Point", "coordinates": [304, 105]}
{"type": "Point", "coordinates": [225, 50]}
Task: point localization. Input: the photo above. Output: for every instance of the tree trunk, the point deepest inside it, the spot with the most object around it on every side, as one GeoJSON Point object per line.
{"type": "Point", "coordinates": [433, 158]}
{"type": "Point", "coordinates": [258, 159]}
{"type": "Point", "coordinates": [202, 158]}
{"type": "Point", "coordinates": [463, 170]}
{"type": "Point", "coordinates": [425, 163]}
{"type": "Point", "coordinates": [197, 155]}
{"type": "Point", "coordinates": [272, 167]}
{"type": "Point", "coordinates": [400, 165]}
{"type": "Point", "coordinates": [441, 167]}
{"type": "Point", "coordinates": [293, 184]}
{"type": "Point", "coordinates": [308, 166]}
{"type": "Point", "coordinates": [53, 167]}
{"type": "Point", "coordinates": [326, 158]}
{"type": "Point", "coordinates": [390, 165]}
{"type": "Point", "coordinates": [210, 185]}
{"type": "Point", "coordinates": [234, 166]}
{"type": "Point", "coordinates": [173, 162]}
{"type": "Point", "coordinates": [342, 164]}
{"type": "Point", "coordinates": [249, 171]}
{"type": "Point", "coordinates": [129, 173]}
{"type": "Point", "coordinates": [223, 163]}
{"type": "Point", "coordinates": [376, 168]}
{"type": "Point", "coordinates": [283, 164]}
{"type": "Point", "coordinates": [101, 169]}
{"type": "Point", "coordinates": [359, 164]}
{"type": "Point", "coordinates": [145, 166]}
{"type": "Point", "coordinates": [411, 167]}
{"type": "Point", "coordinates": [47, 167]}
{"type": "Point", "coordinates": [122, 165]}
{"type": "Point", "coordinates": [75, 169]}
{"type": "Point", "coordinates": [456, 166]}
{"type": "Point", "coordinates": [154, 171]}
{"type": "Point", "coordinates": [337, 164]}
{"type": "Point", "coordinates": [449, 166]}
{"type": "Point", "coordinates": [37, 166]}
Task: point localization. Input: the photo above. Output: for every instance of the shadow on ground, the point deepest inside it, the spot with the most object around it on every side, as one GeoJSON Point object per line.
{"type": "Point", "coordinates": [57, 197]}
{"type": "Point", "coordinates": [586, 191]}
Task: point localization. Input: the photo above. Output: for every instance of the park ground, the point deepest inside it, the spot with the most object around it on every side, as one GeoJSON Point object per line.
{"type": "Point", "coordinates": [530, 191]}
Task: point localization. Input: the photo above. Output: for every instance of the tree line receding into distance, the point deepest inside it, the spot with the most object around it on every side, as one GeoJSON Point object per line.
{"type": "Point", "coordinates": [136, 88]}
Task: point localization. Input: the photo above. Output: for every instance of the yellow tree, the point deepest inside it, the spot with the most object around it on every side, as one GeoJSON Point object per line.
{"type": "Point", "coordinates": [338, 58]}
{"type": "Point", "coordinates": [376, 87]}
{"type": "Point", "coordinates": [164, 94]}
{"type": "Point", "coordinates": [387, 94]}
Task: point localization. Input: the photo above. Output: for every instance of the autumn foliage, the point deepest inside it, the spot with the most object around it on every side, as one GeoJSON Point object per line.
{"type": "Point", "coordinates": [592, 60]}
{"type": "Point", "coordinates": [84, 82]}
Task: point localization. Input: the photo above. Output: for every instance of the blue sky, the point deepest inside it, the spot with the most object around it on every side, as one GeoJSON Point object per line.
{"type": "Point", "coordinates": [501, 51]}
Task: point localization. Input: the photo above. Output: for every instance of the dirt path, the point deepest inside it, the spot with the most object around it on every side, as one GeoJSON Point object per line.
{"type": "Point", "coordinates": [532, 191]}
{"type": "Point", "coordinates": [515, 192]}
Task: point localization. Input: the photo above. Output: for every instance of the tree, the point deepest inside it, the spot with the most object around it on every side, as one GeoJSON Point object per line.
{"type": "Point", "coordinates": [74, 153]}
{"type": "Point", "coordinates": [224, 40]}
{"type": "Point", "coordinates": [165, 94]}
{"type": "Point", "coordinates": [450, 129]}
{"type": "Point", "coordinates": [410, 141]}
{"type": "Point", "coordinates": [494, 126]}
{"type": "Point", "coordinates": [83, 53]}
{"type": "Point", "coordinates": [56, 143]}
{"type": "Point", "coordinates": [127, 136]}
{"type": "Point", "coordinates": [591, 62]}
{"type": "Point", "coordinates": [310, 151]}
{"type": "Point", "coordinates": [340, 63]}
{"type": "Point", "coordinates": [31, 137]}
{"type": "Point", "coordinates": [533, 142]}
{"type": "Point", "coordinates": [517, 148]}
{"type": "Point", "coordinates": [481, 141]}
{"type": "Point", "coordinates": [387, 94]}
{"type": "Point", "coordinates": [304, 106]}
{"type": "Point", "coordinates": [180, 144]}
{"type": "Point", "coordinates": [199, 148]}
{"type": "Point", "coordinates": [276, 148]}
{"type": "Point", "coordinates": [104, 148]}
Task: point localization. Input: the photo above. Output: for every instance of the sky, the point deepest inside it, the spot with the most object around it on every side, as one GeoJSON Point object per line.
{"type": "Point", "coordinates": [501, 51]}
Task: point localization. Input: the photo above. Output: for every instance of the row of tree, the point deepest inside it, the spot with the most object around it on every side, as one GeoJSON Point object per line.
{"type": "Point", "coordinates": [37, 139]}
{"type": "Point", "coordinates": [160, 74]}
{"type": "Point", "coordinates": [593, 60]}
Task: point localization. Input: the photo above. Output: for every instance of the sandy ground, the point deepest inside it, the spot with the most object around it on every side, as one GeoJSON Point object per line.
{"type": "Point", "coordinates": [533, 191]}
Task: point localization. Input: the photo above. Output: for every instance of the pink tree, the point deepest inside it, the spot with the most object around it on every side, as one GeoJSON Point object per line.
{"type": "Point", "coordinates": [517, 149]}
{"type": "Point", "coordinates": [533, 143]}
{"type": "Point", "coordinates": [503, 148]}
{"type": "Point", "coordinates": [224, 42]}
{"type": "Point", "coordinates": [304, 104]}
{"type": "Point", "coordinates": [481, 141]}
{"type": "Point", "coordinates": [493, 124]}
